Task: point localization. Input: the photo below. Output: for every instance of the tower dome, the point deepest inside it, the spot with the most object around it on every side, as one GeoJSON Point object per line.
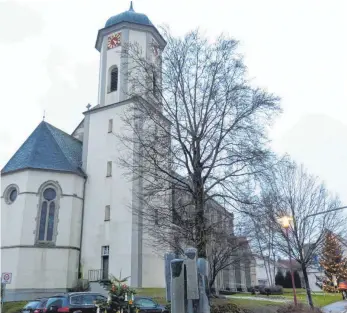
{"type": "Point", "coordinates": [129, 16]}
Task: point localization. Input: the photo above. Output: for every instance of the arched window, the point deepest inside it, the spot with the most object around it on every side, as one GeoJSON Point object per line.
{"type": "Point", "coordinates": [47, 217]}
{"type": "Point", "coordinates": [114, 79]}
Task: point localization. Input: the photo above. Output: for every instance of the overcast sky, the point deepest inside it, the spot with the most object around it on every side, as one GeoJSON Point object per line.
{"type": "Point", "coordinates": [296, 49]}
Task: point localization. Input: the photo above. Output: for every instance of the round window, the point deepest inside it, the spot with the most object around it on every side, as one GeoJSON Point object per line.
{"type": "Point", "coordinates": [49, 194]}
{"type": "Point", "coordinates": [11, 194]}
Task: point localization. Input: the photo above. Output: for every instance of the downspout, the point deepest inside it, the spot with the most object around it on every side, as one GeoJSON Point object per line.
{"type": "Point", "coordinates": [82, 222]}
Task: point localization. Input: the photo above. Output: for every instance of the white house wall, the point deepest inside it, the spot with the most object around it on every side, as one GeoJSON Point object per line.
{"type": "Point", "coordinates": [33, 267]}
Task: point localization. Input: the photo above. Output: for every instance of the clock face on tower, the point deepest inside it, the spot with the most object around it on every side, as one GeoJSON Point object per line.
{"type": "Point", "coordinates": [114, 40]}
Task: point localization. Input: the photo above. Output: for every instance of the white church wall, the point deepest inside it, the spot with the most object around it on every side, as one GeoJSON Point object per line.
{"type": "Point", "coordinates": [153, 266]}
{"type": "Point", "coordinates": [115, 191]}
{"type": "Point", "coordinates": [136, 72]}
{"type": "Point", "coordinates": [40, 267]}
{"type": "Point", "coordinates": [12, 214]}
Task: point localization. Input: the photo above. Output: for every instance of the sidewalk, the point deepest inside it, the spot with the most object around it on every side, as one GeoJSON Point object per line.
{"type": "Point", "coordinates": [260, 299]}
{"type": "Point", "coordinates": [337, 307]}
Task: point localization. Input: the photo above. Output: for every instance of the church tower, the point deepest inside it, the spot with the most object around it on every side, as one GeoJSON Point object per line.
{"type": "Point", "coordinates": [127, 28]}
{"type": "Point", "coordinates": [113, 240]}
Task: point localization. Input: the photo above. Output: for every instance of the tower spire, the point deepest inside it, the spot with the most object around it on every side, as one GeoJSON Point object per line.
{"type": "Point", "coordinates": [131, 7]}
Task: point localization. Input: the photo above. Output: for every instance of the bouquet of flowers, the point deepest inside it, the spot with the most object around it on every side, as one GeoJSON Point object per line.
{"type": "Point", "coordinates": [120, 295]}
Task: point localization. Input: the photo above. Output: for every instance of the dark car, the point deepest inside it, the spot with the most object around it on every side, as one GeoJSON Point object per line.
{"type": "Point", "coordinates": [148, 305]}
{"type": "Point", "coordinates": [81, 302]}
{"type": "Point", "coordinates": [35, 306]}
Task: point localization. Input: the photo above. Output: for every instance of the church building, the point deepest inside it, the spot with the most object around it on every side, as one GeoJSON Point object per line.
{"type": "Point", "coordinates": [65, 203]}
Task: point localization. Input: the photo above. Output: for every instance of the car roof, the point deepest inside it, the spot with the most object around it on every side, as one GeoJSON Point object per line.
{"type": "Point", "coordinates": [67, 294]}
{"type": "Point", "coordinates": [36, 300]}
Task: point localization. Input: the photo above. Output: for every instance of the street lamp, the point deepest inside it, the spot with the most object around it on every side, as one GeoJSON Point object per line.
{"type": "Point", "coordinates": [285, 223]}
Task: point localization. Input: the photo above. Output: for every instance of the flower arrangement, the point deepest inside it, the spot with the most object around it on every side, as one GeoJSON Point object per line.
{"type": "Point", "coordinates": [120, 295]}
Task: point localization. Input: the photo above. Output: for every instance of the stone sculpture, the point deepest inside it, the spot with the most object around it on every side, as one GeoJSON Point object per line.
{"type": "Point", "coordinates": [187, 283]}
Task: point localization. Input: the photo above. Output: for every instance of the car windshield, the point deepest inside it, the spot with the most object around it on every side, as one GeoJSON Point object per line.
{"type": "Point", "coordinates": [145, 303]}
{"type": "Point", "coordinates": [42, 304]}
{"type": "Point", "coordinates": [32, 304]}
{"type": "Point", "coordinates": [55, 302]}
{"type": "Point", "coordinates": [86, 299]}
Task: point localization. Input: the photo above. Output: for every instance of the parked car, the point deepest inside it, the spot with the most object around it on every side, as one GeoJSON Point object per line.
{"type": "Point", "coordinates": [73, 302]}
{"type": "Point", "coordinates": [35, 306]}
{"type": "Point", "coordinates": [148, 305]}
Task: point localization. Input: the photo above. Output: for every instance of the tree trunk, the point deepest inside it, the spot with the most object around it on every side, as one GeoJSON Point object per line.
{"type": "Point", "coordinates": [211, 281]}
{"type": "Point", "coordinates": [200, 215]}
{"type": "Point", "coordinates": [307, 285]}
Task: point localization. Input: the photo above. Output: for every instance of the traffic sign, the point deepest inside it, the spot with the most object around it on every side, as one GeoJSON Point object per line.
{"type": "Point", "coordinates": [6, 278]}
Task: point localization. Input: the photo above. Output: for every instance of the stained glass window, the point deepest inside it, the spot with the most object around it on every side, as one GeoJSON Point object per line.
{"type": "Point", "coordinates": [47, 215]}
{"type": "Point", "coordinates": [49, 194]}
{"type": "Point", "coordinates": [50, 221]}
{"type": "Point", "coordinates": [43, 218]}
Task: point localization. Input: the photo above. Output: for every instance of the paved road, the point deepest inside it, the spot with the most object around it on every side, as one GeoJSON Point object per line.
{"type": "Point", "coordinates": [337, 307]}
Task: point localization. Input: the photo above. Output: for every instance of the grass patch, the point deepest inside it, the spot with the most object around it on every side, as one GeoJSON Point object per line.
{"type": "Point", "coordinates": [247, 304]}
{"type": "Point", "coordinates": [151, 292]}
{"type": "Point", "coordinates": [13, 307]}
{"type": "Point", "coordinates": [159, 295]}
{"type": "Point", "coordinates": [290, 290]}
{"type": "Point", "coordinates": [319, 299]}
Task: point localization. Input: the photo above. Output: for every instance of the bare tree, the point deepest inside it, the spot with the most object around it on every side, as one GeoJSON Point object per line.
{"type": "Point", "coordinates": [261, 237]}
{"type": "Point", "coordinates": [196, 126]}
{"type": "Point", "coordinates": [226, 251]}
{"type": "Point", "coordinates": [293, 192]}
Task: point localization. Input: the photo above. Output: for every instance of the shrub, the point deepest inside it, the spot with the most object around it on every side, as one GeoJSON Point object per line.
{"type": "Point", "coordinates": [288, 280]}
{"type": "Point", "coordinates": [226, 292]}
{"type": "Point", "coordinates": [272, 290]}
{"type": "Point", "coordinates": [279, 278]}
{"type": "Point", "coordinates": [300, 308]}
{"type": "Point", "coordinates": [220, 307]}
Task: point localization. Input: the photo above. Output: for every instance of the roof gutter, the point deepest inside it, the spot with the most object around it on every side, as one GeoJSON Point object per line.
{"type": "Point", "coordinates": [80, 275]}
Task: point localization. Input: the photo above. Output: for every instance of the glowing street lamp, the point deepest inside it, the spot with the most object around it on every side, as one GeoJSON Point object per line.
{"type": "Point", "coordinates": [285, 222]}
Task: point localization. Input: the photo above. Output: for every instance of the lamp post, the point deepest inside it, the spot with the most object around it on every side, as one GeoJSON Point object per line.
{"type": "Point", "coordinates": [324, 212]}
{"type": "Point", "coordinates": [285, 222]}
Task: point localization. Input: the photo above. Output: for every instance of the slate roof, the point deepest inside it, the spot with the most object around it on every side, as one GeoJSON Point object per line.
{"type": "Point", "coordinates": [47, 148]}
{"type": "Point", "coordinates": [129, 16]}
